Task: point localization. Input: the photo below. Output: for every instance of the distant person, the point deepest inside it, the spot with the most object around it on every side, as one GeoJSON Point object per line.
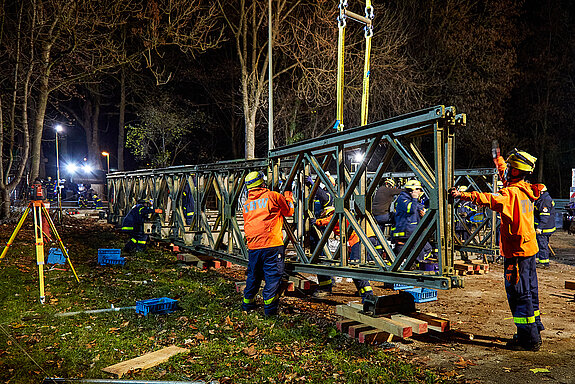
{"type": "Point", "coordinates": [544, 216]}
{"type": "Point", "coordinates": [264, 213]}
{"type": "Point", "coordinates": [382, 201]}
{"type": "Point", "coordinates": [408, 212]}
{"type": "Point", "coordinates": [321, 200]}
{"type": "Point", "coordinates": [133, 224]}
{"type": "Point", "coordinates": [188, 205]}
{"type": "Point", "coordinates": [518, 246]}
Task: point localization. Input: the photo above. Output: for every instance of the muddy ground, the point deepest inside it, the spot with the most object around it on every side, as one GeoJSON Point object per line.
{"type": "Point", "coordinates": [474, 351]}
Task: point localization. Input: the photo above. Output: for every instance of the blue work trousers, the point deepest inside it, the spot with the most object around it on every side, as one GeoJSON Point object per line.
{"type": "Point", "coordinates": [542, 256]}
{"type": "Point", "coordinates": [137, 242]}
{"type": "Point", "coordinates": [363, 286]}
{"type": "Point", "coordinates": [523, 297]}
{"type": "Point", "coordinates": [264, 264]}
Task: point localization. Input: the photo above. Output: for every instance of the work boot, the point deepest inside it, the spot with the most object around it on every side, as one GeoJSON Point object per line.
{"type": "Point", "coordinates": [517, 345]}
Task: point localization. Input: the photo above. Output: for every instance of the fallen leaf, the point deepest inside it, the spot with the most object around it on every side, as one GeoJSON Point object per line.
{"type": "Point", "coordinates": [199, 336]}
{"type": "Point", "coordinates": [462, 363]}
{"type": "Point", "coordinates": [112, 330]}
{"type": "Point", "coordinates": [254, 332]}
{"type": "Point", "coordinates": [229, 322]}
{"type": "Point", "coordinates": [250, 351]}
{"type": "Point", "coordinates": [539, 370]}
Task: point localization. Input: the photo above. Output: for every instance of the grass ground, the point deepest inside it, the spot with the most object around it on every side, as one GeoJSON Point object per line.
{"type": "Point", "coordinates": [224, 343]}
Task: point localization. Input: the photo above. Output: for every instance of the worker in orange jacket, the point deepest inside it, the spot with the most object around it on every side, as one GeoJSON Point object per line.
{"type": "Point", "coordinates": [264, 213]}
{"type": "Point", "coordinates": [518, 245]}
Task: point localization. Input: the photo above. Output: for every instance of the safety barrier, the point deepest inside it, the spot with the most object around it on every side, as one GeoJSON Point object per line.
{"type": "Point", "coordinates": [420, 143]}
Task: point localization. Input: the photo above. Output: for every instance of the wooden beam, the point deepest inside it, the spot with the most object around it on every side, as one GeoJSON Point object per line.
{"type": "Point", "coordinates": [433, 322]}
{"type": "Point", "coordinates": [354, 330]}
{"type": "Point", "coordinates": [374, 336]}
{"type": "Point", "coordinates": [145, 361]}
{"type": "Point", "coordinates": [417, 326]}
{"type": "Point", "coordinates": [383, 323]}
{"type": "Point", "coordinates": [343, 325]}
{"type": "Point", "coordinates": [569, 284]}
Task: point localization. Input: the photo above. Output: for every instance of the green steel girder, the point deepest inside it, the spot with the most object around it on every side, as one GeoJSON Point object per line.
{"type": "Point", "coordinates": [419, 143]}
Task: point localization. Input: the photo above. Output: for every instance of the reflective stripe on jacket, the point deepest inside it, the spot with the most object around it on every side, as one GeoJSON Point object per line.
{"type": "Point", "coordinates": [515, 203]}
{"type": "Point", "coordinates": [264, 213]}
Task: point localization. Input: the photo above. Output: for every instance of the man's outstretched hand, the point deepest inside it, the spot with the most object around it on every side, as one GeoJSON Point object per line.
{"type": "Point", "coordinates": [454, 193]}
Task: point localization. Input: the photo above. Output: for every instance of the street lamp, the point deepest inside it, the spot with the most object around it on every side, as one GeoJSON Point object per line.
{"type": "Point", "coordinates": [58, 129]}
{"type": "Point", "coordinates": [107, 159]}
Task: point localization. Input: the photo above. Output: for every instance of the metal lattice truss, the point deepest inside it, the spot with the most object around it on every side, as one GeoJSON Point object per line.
{"type": "Point", "coordinates": [421, 143]}
{"type": "Point", "coordinates": [477, 232]}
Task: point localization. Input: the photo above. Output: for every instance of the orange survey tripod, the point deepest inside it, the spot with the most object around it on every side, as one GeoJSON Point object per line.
{"type": "Point", "coordinates": [37, 206]}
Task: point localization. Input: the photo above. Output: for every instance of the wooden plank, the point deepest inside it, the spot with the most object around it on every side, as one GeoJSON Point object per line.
{"type": "Point", "coordinates": [417, 326]}
{"type": "Point", "coordinates": [463, 267]}
{"type": "Point", "coordinates": [569, 284]}
{"type": "Point", "coordinates": [383, 323]}
{"type": "Point", "coordinates": [356, 305]}
{"type": "Point", "coordinates": [343, 325]}
{"type": "Point", "coordinates": [145, 361]}
{"type": "Point", "coordinates": [433, 322]}
{"type": "Point", "coordinates": [354, 330]}
{"type": "Point", "coordinates": [374, 336]}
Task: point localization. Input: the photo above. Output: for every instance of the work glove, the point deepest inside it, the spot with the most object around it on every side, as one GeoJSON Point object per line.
{"type": "Point", "coordinates": [308, 181]}
{"type": "Point", "coordinates": [157, 210]}
{"type": "Point", "coordinates": [454, 193]}
{"type": "Point", "coordinates": [538, 231]}
{"type": "Point", "coordinates": [495, 151]}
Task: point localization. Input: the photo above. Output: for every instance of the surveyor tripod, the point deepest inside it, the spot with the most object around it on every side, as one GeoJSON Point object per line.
{"type": "Point", "coordinates": [38, 208]}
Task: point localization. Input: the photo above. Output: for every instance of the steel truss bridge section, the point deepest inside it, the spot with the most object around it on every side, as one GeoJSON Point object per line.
{"type": "Point", "coordinates": [478, 232]}
{"type": "Point", "coordinates": [421, 143]}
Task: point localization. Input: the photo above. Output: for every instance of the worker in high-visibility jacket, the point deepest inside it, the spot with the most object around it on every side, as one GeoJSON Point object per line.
{"type": "Point", "coordinates": [264, 213]}
{"type": "Point", "coordinates": [133, 224]}
{"type": "Point", "coordinates": [544, 216]}
{"type": "Point", "coordinates": [188, 205]}
{"type": "Point", "coordinates": [321, 200]}
{"type": "Point", "coordinates": [364, 288]}
{"type": "Point", "coordinates": [518, 245]}
{"type": "Point", "coordinates": [408, 212]}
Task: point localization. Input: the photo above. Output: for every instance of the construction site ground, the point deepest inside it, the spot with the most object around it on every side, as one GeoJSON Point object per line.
{"type": "Point", "coordinates": [474, 350]}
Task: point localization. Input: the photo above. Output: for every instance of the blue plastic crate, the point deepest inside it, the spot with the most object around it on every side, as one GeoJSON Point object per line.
{"type": "Point", "coordinates": [397, 286]}
{"type": "Point", "coordinates": [110, 257]}
{"type": "Point", "coordinates": [55, 256]}
{"type": "Point", "coordinates": [160, 305]}
{"type": "Point", "coordinates": [422, 295]}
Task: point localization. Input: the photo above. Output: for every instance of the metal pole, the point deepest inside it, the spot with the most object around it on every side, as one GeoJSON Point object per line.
{"type": "Point", "coordinates": [270, 81]}
{"type": "Point", "coordinates": [58, 181]}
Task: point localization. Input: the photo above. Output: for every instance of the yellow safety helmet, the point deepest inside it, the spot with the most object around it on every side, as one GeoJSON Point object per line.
{"type": "Point", "coordinates": [413, 184]}
{"type": "Point", "coordinates": [327, 211]}
{"type": "Point", "coordinates": [254, 179]}
{"type": "Point", "coordinates": [390, 181]}
{"type": "Point", "coordinates": [521, 160]}
{"type": "Point", "coordinates": [462, 188]}
{"type": "Point", "coordinates": [331, 178]}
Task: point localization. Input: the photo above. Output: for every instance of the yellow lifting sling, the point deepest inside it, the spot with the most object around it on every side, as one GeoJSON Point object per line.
{"type": "Point", "coordinates": [367, 21]}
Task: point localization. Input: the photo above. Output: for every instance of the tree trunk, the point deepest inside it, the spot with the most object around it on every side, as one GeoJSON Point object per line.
{"type": "Point", "coordinates": [122, 119]}
{"type": "Point", "coordinates": [38, 128]}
